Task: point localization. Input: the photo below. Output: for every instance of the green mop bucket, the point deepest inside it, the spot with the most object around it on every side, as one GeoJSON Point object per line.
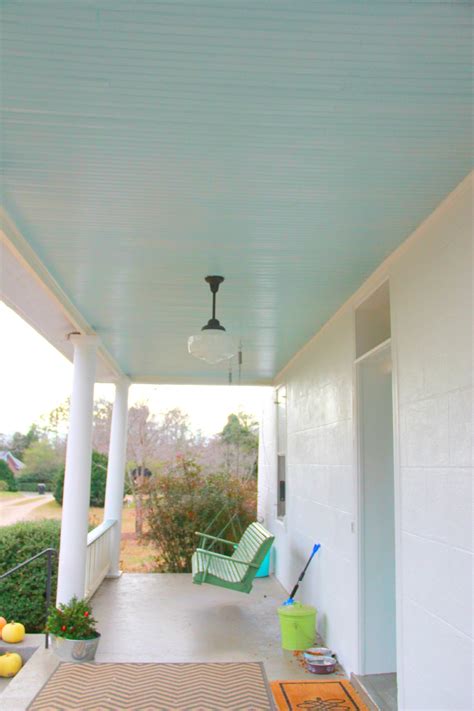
{"type": "Point", "coordinates": [297, 625]}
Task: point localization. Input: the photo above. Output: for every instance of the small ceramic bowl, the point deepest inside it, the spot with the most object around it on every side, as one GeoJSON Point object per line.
{"type": "Point", "coordinates": [320, 664]}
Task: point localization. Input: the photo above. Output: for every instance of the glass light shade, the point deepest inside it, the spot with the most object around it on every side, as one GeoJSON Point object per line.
{"type": "Point", "coordinates": [212, 345]}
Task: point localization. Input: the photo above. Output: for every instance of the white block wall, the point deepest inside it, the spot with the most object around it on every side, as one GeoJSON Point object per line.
{"type": "Point", "coordinates": [430, 279]}
{"type": "Point", "coordinates": [431, 290]}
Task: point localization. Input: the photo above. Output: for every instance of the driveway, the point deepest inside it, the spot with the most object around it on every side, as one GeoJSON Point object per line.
{"type": "Point", "coordinates": [19, 509]}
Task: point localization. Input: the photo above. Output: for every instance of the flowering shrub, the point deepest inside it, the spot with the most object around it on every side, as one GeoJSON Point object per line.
{"type": "Point", "coordinates": [183, 500]}
{"type": "Point", "coordinates": [73, 620]}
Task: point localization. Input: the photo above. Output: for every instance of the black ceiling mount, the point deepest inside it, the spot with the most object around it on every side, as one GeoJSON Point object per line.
{"type": "Point", "coordinates": [214, 282]}
{"type": "Point", "coordinates": [213, 323]}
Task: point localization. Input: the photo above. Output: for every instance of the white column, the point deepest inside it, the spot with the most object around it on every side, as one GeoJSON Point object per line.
{"type": "Point", "coordinates": [116, 471]}
{"type": "Point", "coordinates": [75, 514]}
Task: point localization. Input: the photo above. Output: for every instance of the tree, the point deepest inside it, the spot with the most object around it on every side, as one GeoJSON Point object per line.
{"type": "Point", "coordinates": [241, 430]}
{"type": "Point", "coordinates": [56, 424]}
{"type": "Point", "coordinates": [20, 442]}
{"type": "Point", "coordinates": [7, 476]}
{"type": "Point", "coordinates": [143, 435]}
{"type": "Point", "coordinates": [142, 441]}
{"type": "Point", "coordinates": [174, 435]}
{"type": "Point", "coordinates": [101, 425]}
{"type": "Point", "coordinates": [240, 441]}
{"type": "Point", "coordinates": [42, 462]}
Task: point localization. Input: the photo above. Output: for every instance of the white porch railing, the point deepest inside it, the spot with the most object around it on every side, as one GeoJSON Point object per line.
{"type": "Point", "coordinates": [98, 556]}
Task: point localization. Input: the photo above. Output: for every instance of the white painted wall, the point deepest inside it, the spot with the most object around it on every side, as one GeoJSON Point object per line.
{"type": "Point", "coordinates": [431, 292]}
{"type": "Point", "coordinates": [431, 303]}
{"type": "Point", "coordinates": [320, 483]}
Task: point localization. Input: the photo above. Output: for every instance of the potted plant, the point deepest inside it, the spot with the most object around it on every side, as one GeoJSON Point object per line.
{"type": "Point", "coordinates": [71, 627]}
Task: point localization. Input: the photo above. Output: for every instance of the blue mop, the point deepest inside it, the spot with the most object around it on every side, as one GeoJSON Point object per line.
{"type": "Point", "coordinates": [291, 600]}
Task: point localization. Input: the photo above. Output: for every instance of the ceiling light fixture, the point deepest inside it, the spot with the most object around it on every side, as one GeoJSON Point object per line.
{"type": "Point", "coordinates": [213, 344]}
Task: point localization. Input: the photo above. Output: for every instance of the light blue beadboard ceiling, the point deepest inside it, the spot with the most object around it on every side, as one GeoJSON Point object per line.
{"type": "Point", "coordinates": [289, 146]}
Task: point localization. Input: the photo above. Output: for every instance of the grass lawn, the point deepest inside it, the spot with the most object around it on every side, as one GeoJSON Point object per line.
{"type": "Point", "coordinates": [135, 557]}
{"type": "Point", "coordinates": [11, 495]}
{"type": "Point", "coordinates": [49, 510]}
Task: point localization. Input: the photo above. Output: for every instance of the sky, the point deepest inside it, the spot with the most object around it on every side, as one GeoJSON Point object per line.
{"type": "Point", "coordinates": [35, 378]}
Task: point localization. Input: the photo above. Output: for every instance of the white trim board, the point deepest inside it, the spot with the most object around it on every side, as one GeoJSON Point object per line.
{"type": "Point", "coordinates": [32, 292]}
{"type": "Point", "coordinates": [373, 350]}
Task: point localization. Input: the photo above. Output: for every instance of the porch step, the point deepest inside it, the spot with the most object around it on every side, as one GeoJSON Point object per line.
{"type": "Point", "coordinates": [17, 692]}
{"type": "Point", "coordinates": [25, 649]}
{"type": "Point", "coordinates": [369, 694]}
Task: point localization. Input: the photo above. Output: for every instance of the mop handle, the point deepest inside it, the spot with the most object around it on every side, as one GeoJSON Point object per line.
{"type": "Point", "coordinates": [316, 547]}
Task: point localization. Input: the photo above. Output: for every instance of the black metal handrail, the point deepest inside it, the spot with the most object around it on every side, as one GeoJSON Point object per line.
{"type": "Point", "coordinates": [48, 552]}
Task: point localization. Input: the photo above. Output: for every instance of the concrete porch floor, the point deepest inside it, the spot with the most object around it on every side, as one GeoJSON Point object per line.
{"type": "Point", "coordinates": [166, 618]}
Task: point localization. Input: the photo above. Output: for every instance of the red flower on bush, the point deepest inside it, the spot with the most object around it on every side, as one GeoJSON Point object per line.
{"type": "Point", "coordinates": [73, 620]}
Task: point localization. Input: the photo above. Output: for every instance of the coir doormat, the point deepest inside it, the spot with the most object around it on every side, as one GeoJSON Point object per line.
{"type": "Point", "coordinates": [316, 696]}
{"type": "Point", "coordinates": [165, 687]}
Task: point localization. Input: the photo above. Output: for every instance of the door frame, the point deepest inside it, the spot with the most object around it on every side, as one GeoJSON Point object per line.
{"type": "Point", "coordinates": [359, 502]}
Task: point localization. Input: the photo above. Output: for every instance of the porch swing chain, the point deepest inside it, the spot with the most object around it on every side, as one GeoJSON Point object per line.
{"type": "Point", "coordinates": [230, 523]}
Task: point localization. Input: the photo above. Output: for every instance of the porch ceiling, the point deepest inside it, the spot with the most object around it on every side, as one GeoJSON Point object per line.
{"type": "Point", "coordinates": [289, 146]}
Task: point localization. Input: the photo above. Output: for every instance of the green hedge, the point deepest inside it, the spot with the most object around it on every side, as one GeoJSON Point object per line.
{"type": "Point", "coordinates": [98, 480]}
{"type": "Point", "coordinates": [22, 595]}
{"type": "Point", "coordinates": [31, 486]}
{"type": "Point", "coordinates": [48, 478]}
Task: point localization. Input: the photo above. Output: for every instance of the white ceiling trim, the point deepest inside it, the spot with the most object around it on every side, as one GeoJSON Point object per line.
{"type": "Point", "coordinates": [27, 287]}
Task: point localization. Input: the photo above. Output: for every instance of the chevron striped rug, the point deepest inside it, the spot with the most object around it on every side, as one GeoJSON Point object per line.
{"type": "Point", "coordinates": [165, 687]}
